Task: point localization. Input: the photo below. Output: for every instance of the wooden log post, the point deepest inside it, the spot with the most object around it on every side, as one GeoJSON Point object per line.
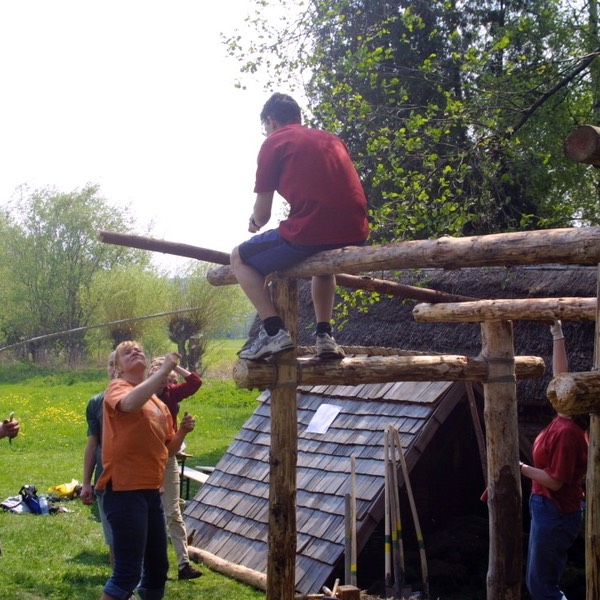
{"type": "Point", "coordinates": [592, 511]}
{"type": "Point", "coordinates": [577, 245]}
{"type": "Point", "coordinates": [583, 145]}
{"type": "Point", "coordinates": [533, 309]}
{"type": "Point", "coordinates": [504, 482]}
{"type": "Point", "coordinates": [381, 369]}
{"type": "Point", "coordinates": [281, 564]}
{"type": "Point", "coordinates": [575, 393]}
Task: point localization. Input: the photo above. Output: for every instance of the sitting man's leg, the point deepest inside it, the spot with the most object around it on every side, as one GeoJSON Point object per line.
{"type": "Point", "coordinates": [323, 295]}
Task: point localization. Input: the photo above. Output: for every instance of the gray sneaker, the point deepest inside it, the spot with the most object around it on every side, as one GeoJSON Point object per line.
{"type": "Point", "coordinates": [327, 347]}
{"type": "Point", "coordinates": [267, 345]}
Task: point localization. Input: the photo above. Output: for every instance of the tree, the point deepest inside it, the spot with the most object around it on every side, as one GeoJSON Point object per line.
{"type": "Point", "coordinates": [215, 306]}
{"type": "Point", "coordinates": [455, 111]}
{"type": "Point", "coordinates": [52, 256]}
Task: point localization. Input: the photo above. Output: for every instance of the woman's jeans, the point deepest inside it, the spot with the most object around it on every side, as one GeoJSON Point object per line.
{"type": "Point", "coordinates": [137, 521]}
{"type": "Point", "coordinates": [551, 535]}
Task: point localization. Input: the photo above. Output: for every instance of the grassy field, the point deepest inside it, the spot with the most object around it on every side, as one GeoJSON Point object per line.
{"type": "Point", "coordinates": [63, 556]}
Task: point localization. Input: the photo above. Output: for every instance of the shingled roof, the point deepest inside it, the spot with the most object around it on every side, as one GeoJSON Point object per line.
{"type": "Point", "coordinates": [230, 512]}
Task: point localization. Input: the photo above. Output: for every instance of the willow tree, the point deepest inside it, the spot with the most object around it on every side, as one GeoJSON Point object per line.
{"type": "Point", "coordinates": [214, 308]}
{"type": "Point", "coordinates": [51, 255]}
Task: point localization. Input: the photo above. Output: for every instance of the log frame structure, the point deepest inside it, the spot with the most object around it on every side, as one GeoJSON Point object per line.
{"type": "Point", "coordinates": [579, 246]}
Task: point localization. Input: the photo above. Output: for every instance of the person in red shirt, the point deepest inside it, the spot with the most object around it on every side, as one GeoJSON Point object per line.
{"type": "Point", "coordinates": [137, 438]}
{"type": "Point", "coordinates": [560, 453]}
{"type": "Point", "coordinates": [172, 394]}
{"type": "Point", "coordinates": [312, 170]}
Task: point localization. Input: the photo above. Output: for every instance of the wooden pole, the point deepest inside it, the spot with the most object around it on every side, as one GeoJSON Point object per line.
{"type": "Point", "coordinates": [415, 515]}
{"type": "Point", "coordinates": [222, 258]}
{"type": "Point", "coordinates": [583, 145]}
{"type": "Point", "coordinates": [387, 515]}
{"type": "Point", "coordinates": [354, 557]}
{"type": "Point", "coordinates": [154, 245]}
{"type": "Point", "coordinates": [399, 290]}
{"type": "Point", "coordinates": [225, 567]}
{"type": "Point", "coordinates": [281, 565]}
{"type": "Point", "coordinates": [531, 309]}
{"type": "Point", "coordinates": [348, 538]}
{"type": "Point", "coordinates": [396, 521]}
{"type": "Point", "coordinates": [478, 429]}
{"type": "Point", "coordinates": [575, 393]}
{"type": "Point", "coordinates": [379, 369]}
{"type": "Point", "coordinates": [577, 245]}
{"type": "Point", "coordinates": [592, 525]}
{"type": "Point", "coordinates": [504, 481]}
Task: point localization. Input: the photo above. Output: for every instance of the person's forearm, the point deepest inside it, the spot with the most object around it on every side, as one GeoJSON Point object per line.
{"type": "Point", "coordinates": [89, 463]}
{"type": "Point", "coordinates": [181, 371]}
{"type": "Point", "coordinates": [176, 442]}
{"type": "Point", "coordinates": [142, 392]}
{"type": "Point", "coordinates": [540, 476]}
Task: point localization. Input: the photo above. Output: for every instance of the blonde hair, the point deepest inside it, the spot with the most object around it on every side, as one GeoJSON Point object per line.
{"type": "Point", "coordinates": [119, 352]}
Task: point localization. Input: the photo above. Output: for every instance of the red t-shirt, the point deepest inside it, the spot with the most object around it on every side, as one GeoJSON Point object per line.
{"type": "Point", "coordinates": [561, 449]}
{"type": "Point", "coordinates": [313, 171]}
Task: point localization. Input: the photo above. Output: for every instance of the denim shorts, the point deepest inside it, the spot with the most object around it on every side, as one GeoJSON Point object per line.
{"type": "Point", "coordinates": [268, 251]}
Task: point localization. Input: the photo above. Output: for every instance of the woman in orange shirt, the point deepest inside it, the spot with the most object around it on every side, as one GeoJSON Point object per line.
{"type": "Point", "coordinates": [137, 438]}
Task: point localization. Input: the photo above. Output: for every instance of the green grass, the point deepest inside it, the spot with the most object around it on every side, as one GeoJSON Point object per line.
{"type": "Point", "coordinates": [63, 556]}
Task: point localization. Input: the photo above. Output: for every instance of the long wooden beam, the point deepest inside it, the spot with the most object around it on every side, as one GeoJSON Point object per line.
{"type": "Point", "coordinates": [154, 245]}
{"type": "Point", "coordinates": [575, 393]}
{"type": "Point", "coordinates": [531, 309]}
{"type": "Point", "coordinates": [381, 369]}
{"type": "Point", "coordinates": [574, 246]}
{"type": "Point", "coordinates": [382, 286]}
{"type": "Point", "coordinates": [400, 290]}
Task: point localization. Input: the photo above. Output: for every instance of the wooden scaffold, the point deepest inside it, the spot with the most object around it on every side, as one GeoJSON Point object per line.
{"type": "Point", "coordinates": [496, 368]}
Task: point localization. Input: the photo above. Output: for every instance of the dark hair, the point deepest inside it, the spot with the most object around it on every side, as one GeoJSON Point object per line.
{"type": "Point", "coordinates": [283, 108]}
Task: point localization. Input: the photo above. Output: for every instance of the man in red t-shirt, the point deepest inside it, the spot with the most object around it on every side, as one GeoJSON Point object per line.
{"type": "Point", "coordinates": [312, 170]}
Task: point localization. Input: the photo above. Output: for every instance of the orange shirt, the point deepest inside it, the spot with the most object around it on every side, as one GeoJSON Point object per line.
{"type": "Point", "coordinates": [134, 451]}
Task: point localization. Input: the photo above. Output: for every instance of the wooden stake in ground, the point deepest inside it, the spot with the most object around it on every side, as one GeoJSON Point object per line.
{"type": "Point", "coordinates": [353, 567]}
{"type": "Point", "coordinates": [397, 542]}
{"type": "Point", "coordinates": [388, 526]}
{"type": "Point", "coordinates": [415, 515]}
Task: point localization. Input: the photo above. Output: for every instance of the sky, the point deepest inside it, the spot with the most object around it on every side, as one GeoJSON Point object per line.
{"type": "Point", "coordinates": [139, 97]}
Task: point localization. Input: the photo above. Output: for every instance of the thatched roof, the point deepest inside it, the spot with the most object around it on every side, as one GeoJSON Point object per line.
{"type": "Point", "coordinates": [389, 322]}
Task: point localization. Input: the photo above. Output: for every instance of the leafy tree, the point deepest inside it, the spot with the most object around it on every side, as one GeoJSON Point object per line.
{"type": "Point", "coordinates": [129, 293]}
{"type": "Point", "coordinates": [52, 255]}
{"type": "Point", "coordinates": [455, 111]}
